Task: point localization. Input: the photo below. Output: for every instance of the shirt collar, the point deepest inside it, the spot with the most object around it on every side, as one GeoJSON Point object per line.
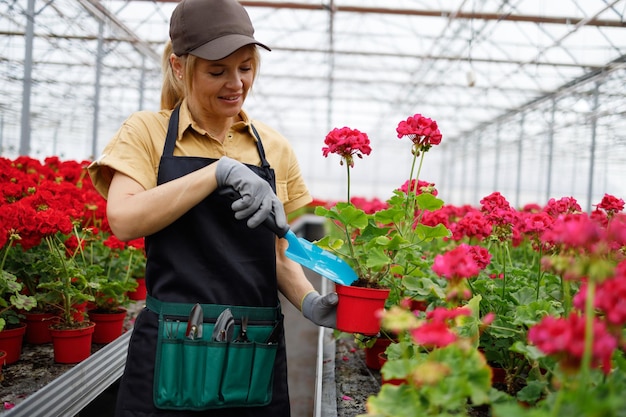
{"type": "Point", "coordinates": [185, 122]}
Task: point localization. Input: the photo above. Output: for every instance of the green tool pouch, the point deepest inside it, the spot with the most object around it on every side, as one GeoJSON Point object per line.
{"type": "Point", "coordinates": [200, 373]}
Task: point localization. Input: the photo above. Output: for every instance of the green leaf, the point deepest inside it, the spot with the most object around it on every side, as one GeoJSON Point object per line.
{"type": "Point", "coordinates": [377, 259]}
{"type": "Point", "coordinates": [345, 213]}
{"type": "Point", "coordinates": [422, 286]}
{"type": "Point", "coordinates": [524, 295]}
{"type": "Point", "coordinates": [532, 391]}
{"type": "Point", "coordinates": [529, 351]}
{"type": "Point", "coordinates": [532, 313]}
{"type": "Point", "coordinates": [396, 401]}
{"type": "Point", "coordinates": [23, 302]}
{"type": "Point", "coordinates": [427, 201]}
{"type": "Point", "coordinates": [428, 233]}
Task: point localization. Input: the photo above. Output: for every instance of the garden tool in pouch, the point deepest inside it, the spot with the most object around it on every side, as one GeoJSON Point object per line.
{"type": "Point", "coordinates": [194, 324]}
{"type": "Point", "coordinates": [243, 334]}
{"type": "Point", "coordinates": [224, 327]}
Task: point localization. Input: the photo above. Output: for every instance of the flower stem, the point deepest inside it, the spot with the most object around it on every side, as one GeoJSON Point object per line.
{"type": "Point", "coordinates": [66, 280]}
{"type": "Point", "coordinates": [556, 407]}
{"type": "Point", "coordinates": [130, 263]}
{"type": "Point", "coordinates": [411, 191]}
{"type": "Point", "coordinates": [567, 296]}
{"type": "Point", "coordinates": [504, 274]}
{"type": "Point", "coordinates": [6, 251]}
{"type": "Point", "coordinates": [589, 316]}
{"type": "Point", "coordinates": [348, 171]}
{"type": "Point", "coordinates": [538, 274]}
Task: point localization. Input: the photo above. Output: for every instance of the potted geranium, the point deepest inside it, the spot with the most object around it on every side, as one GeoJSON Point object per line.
{"type": "Point", "coordinates": [20, 262]}
{"type": "Point", "coordinates": [12, 303]}
{"type": "Point", "coordinates": [68, 286]}
{"type": "Point", "coordinates": [117, 261]}
{"type": "Point", "coordinates": [385, 244]}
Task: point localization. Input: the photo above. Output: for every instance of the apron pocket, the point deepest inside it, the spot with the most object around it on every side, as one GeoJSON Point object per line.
{"type": "Point", "coordinates": [236, 378]}
{"type": "Point", "coordinates": [211, 374]}
{"type": "Point", "coordinates": [168, 378]}
{"type": "Point", "coordinates": [262, 373]}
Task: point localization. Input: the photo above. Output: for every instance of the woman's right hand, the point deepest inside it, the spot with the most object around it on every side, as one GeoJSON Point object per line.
{"type": "Point", "coordinates": [258, 201]}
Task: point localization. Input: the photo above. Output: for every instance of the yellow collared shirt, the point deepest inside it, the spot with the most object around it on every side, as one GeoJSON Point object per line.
{"type": "Point", "coordinates": [135, 150]}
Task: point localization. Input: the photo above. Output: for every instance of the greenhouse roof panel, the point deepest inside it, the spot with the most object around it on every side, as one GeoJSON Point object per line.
{"type": "Point", "coordinates": [366, 64]}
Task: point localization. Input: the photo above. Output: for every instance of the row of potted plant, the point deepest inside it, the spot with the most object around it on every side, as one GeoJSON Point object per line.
{"type": "Point", "coordinates": [58, 256]}
{"type": "Point", "coordinates": [535, 295]}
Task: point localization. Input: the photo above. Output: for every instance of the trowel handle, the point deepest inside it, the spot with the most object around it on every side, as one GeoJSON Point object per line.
{"type": "Point", "coordinates": [269, 222]}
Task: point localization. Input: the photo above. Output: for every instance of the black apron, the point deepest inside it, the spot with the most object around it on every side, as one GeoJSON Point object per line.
{"type": "Point", "coordinates": [207, 257]}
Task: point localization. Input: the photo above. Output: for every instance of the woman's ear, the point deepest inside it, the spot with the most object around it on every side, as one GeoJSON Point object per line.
{"type": "Point", "coordinates": [177, 66]}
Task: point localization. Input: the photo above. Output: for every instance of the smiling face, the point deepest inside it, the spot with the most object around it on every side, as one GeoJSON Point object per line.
{"type": "Point", "coordinates": [219, 88]}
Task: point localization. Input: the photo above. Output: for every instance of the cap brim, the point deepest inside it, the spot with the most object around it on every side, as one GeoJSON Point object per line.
{"type": "Point", "coordinates": [222, 47]}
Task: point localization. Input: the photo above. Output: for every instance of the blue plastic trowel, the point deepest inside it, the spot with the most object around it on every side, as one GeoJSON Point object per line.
{"type": "Point", "coordinates": [318, 260]}
{"type": "Point", "coordinates": [306, 253]}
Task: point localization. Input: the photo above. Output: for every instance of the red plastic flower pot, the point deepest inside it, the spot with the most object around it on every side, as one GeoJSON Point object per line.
{"type": "Point", "coordinates": [72, 345]}
{"type": "Point", "coordinates": [38, 327]}
{"type": "Point", "coordinates": [140, 292]}
{"type": "Point", "coordinates": [371, 354]}
{"type": "Point", "coordinates": [358, 307]}
{"type": "Point", "coordinates": [11, 342]}
{"type": "Point", "coordinates": [109, 325]}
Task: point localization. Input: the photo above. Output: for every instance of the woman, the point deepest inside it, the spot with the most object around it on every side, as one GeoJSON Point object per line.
{"type": "Point", "coordinates": [163, 175]}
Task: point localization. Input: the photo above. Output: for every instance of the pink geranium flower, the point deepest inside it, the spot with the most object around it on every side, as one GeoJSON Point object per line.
{"type": "Point", "coordinates": [423, 131]}
{"type": "Point", "coordinates": [565, 338]}
{"type": "Point", "coordinates": [347, 143]}
{"type": "Point", "coordinates": [611, 204]}
{"type": "Point", "coordinates": [457, 263]}
{"type": "Point", "coordinates": [610, 297]}
{"type": "Point", "coordinates": [575, 231]}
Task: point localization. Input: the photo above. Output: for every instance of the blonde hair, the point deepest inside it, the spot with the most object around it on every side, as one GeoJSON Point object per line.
{"type": "Point", "coordinates": [173, 89]}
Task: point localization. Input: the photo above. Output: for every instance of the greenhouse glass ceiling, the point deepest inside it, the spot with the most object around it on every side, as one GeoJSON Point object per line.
{"type": "Point", "coordinates": [530, 95]}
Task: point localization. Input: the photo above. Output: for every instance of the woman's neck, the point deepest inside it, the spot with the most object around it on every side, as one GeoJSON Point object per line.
{"type": "Point", "coordinates": [217, 127]}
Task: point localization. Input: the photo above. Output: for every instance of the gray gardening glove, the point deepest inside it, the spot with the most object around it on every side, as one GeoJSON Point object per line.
{"type": "Point", "coordinates": [321, 310]}
{"type": "Point", "coordinates": [257, 201]}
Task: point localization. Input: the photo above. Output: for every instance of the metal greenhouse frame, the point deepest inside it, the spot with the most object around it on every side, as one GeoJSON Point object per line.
{"type": "Point", "coordinates": [529, 94]}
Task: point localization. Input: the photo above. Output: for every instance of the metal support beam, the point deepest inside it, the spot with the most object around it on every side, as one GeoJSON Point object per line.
{"type": "Point", "coordinates": [464, 173]}
{"type": "Point", "coordinates": [550, 150]}
{"type": "Point", "coordinates": [477, 169]}
{"type": "Point", "coordinates": [556, 20]}
{"type": "Point", "coordinates": [96, 95]}
{"type": "Point", "coordinates": [27, 82]}
{"type": "Point", "coordinates": [496, 165]}
{"type": "Point", "coordinates": [518, 185]}
{"type": "Point", "coordinates": [331, 64]}
{"type": "Point", "coordinates": [592, 145]}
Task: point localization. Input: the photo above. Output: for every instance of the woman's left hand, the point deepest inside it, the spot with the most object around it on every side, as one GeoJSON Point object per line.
{"type": "Point", "coordinates": [258, 201]}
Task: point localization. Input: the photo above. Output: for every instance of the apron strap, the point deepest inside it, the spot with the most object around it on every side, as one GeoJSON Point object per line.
{"type": "Point", "coordinates": [172, 132]}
